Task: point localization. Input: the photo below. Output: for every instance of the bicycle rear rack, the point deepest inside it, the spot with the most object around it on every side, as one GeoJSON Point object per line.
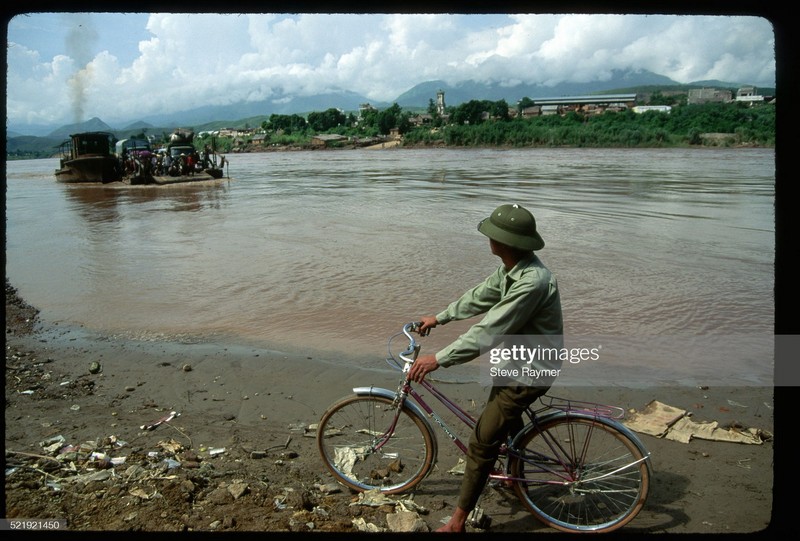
{"type": "Point", "coordinates": [579, 406]}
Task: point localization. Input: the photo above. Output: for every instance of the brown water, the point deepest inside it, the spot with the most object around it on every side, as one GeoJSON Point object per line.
{"type": "Point", "coordinates": [331, 252]}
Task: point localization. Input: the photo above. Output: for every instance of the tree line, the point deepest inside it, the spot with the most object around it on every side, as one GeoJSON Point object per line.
{"type": "Point", "coordinates": [489, 123]}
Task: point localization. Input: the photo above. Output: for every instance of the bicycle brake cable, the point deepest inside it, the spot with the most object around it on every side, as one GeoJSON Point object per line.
{"type": "Point", "coordinates": [391, 356]}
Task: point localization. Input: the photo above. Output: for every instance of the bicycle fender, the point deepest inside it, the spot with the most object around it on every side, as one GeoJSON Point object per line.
{"type": "Point", "coordinates": [386, 393]}
{"type": "Point", "coordinates": [603, 420]}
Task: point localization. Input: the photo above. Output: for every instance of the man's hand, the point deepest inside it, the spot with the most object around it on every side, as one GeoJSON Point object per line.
{"type": "Point", "coordinates": [428, 322]}
{"type": "Point", "coordinates": [422, 366]}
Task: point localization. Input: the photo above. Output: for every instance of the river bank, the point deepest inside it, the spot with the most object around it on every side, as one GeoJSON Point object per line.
{"type": "Point", "coordinates": [238, 453]}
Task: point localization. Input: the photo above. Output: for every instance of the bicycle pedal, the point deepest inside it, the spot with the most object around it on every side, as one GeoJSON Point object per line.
{"type": "Point", "coordinates": [477, 518]}
{"type": "Point", "coordinates": [501, 484]}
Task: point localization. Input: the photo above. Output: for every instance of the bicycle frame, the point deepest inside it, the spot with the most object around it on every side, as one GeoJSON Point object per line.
{"type": "Point", "coordinates": [449, 404]}
{"type": "Point", "coordinates": [555, 407]}
{"type": "Point", "coordinates": [405, 390]}
{"type": "Point", "coordinates": [573, 465]}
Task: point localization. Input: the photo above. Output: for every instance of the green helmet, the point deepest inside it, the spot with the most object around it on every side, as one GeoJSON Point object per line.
{"type": "Point", "coordinates": [514, 226]}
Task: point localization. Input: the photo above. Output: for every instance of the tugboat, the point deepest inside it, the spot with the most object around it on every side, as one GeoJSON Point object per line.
{"type": "Point", "coordinates": [88, 157]}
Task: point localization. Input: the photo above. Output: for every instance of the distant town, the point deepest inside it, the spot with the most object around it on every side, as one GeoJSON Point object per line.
{"type": "Point", "coordinates": [663, 117]}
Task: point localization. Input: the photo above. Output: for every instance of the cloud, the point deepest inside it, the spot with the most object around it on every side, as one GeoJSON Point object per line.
{"type": "Point", "coordinates": [182, 61]}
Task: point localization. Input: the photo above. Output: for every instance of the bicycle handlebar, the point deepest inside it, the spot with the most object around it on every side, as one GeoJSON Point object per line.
{"type": "Point", "coordinates": [413, 346]}
{"type": "Point", "coordinates": [410, 354]}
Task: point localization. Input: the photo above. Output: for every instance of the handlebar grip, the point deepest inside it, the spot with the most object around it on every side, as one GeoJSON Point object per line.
{"type": "Point", "coordinates": [416, 328]}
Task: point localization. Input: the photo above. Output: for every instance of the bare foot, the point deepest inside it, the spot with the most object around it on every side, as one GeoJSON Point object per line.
{"type": "Point", "coordinates": [456, 522]}
{"type": "Point", "coordinates": [451, 528]}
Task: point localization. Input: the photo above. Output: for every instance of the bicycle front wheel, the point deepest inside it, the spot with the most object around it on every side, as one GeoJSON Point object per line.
{"type": "Point", "coordinates": [367, 443]}
{"type": "Point", "coordinates": [580, 474]}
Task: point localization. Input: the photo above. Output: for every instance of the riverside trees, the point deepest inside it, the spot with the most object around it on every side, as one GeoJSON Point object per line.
{"type": "Point", "coordinates": [682, 126]}
{"type": "Point", "coordinates": [488, 123]}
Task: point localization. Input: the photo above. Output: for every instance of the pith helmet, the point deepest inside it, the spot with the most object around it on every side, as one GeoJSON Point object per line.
{"type": "Point", "coordinates": [514, 226]}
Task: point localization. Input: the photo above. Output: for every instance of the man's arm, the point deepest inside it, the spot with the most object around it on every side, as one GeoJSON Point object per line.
{"type": "Point", "coordinates": [476, 301]}
{"type": "Point", "coordinates": [505, 317]}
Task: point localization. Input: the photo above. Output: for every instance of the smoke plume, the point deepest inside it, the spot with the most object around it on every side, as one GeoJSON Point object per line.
{"type": "Point", "coordinates": [81, 36]}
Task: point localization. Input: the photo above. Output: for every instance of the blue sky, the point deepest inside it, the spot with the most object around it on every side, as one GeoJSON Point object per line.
{"type": "Point", "coordinates": [68, 67]}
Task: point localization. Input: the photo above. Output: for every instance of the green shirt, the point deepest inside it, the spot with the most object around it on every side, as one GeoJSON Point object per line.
{"type": "Point", "coordinates": [522, 301]}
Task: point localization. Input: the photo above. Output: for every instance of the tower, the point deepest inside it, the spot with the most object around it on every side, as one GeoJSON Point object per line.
{"type": "Point", "coordinates": [440, 102]}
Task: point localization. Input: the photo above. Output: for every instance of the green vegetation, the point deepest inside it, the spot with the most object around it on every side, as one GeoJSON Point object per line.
{"type": "Point", "coordinates": [486, 123]}
{"type": "Point", "coordinates": [682, 126]}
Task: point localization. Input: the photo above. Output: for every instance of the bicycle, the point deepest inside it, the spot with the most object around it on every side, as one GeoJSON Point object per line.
{"type": "Point", "coordinates": [573, 465]}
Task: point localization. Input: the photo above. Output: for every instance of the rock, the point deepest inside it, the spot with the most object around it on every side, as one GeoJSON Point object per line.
{"type": "Point", "coordinates": [299, 499]}
{"type": "Point", "coordinates": [406, 521]}
{"type": "Point", "coordinates": [220, 496]}
{"type": "Point", "coordinates": [187, 486]}
{"type": "Point", "coordinates": [238, 489]}
{"type": "Point", "coordinates": [363, 526]}
{"type": "Point", "coordinates": [328, 488]}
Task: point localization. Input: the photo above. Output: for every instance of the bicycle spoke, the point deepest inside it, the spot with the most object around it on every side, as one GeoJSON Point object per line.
{"type": "Point", "coordinates": [366, 443]}
{"type": "Point", "coordinates": [576, 469]}
{"type": "Point", "coordinates": [581, 475]}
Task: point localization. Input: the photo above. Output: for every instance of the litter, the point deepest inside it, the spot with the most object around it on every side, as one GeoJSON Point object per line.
{"type": "Point", "coordinates": [665, 421]}
{"type": "Point", "coordinates": [165, 419]}
{"type": "Point", "coordinates": [373, 498]}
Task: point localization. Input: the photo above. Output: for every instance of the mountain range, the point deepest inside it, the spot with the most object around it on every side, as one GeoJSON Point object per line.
{"type": "Point", "coordinates": [418, 97]}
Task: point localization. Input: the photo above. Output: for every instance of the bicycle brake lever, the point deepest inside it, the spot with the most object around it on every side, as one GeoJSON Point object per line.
{"type": "Point", "coordinates": [416, 327]}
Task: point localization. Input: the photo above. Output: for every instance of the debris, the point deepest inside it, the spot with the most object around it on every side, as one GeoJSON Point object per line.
{"type": "Point", "coordinates": [738, 405]}
{"type": "Point", "coordinates": [170, 446]}
{"type": "Point", "coordinates": [346, 457]}
{"type": "Point", "coordinates": [408, 504]}
{"type": "Point", "coordinates": [363, 526]}
{"type": "Point", "coordinates": [665, 421]}
{"type": "Point", "coordinates": [655, 419]}
{"type": "Point", "coordinates": [328, 488]}
{"type": "Point", "coordinates": [139, 493]}
{"type": "Point", "coordinates": [284, 446]}
{"type": "Point", "coordinates": [686, 429]}
{"type": "Point", "coordinates": [53, 444]}
{"type": "Point", "coordinates": [373, 498]}
{"type": "Point", "coordinates": [165, 419]}
{"type": "Point", "coordinates": [458, 469]}
{"type": "Point", "coordinates": [406, 521]}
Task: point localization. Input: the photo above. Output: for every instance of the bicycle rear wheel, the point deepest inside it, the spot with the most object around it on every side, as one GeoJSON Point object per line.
{"type": "Point", "coordinates": [580, 474]}
{"type": "Point", "coordinates": [366, 443]}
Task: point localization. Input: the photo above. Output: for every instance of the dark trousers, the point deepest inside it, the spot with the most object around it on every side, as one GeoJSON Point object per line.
{"type": "Point", "coordinates": [501, 417]}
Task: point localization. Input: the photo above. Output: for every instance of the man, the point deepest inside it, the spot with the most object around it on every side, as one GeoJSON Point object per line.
{"type": "Point", "coordinates": [520, 298]}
